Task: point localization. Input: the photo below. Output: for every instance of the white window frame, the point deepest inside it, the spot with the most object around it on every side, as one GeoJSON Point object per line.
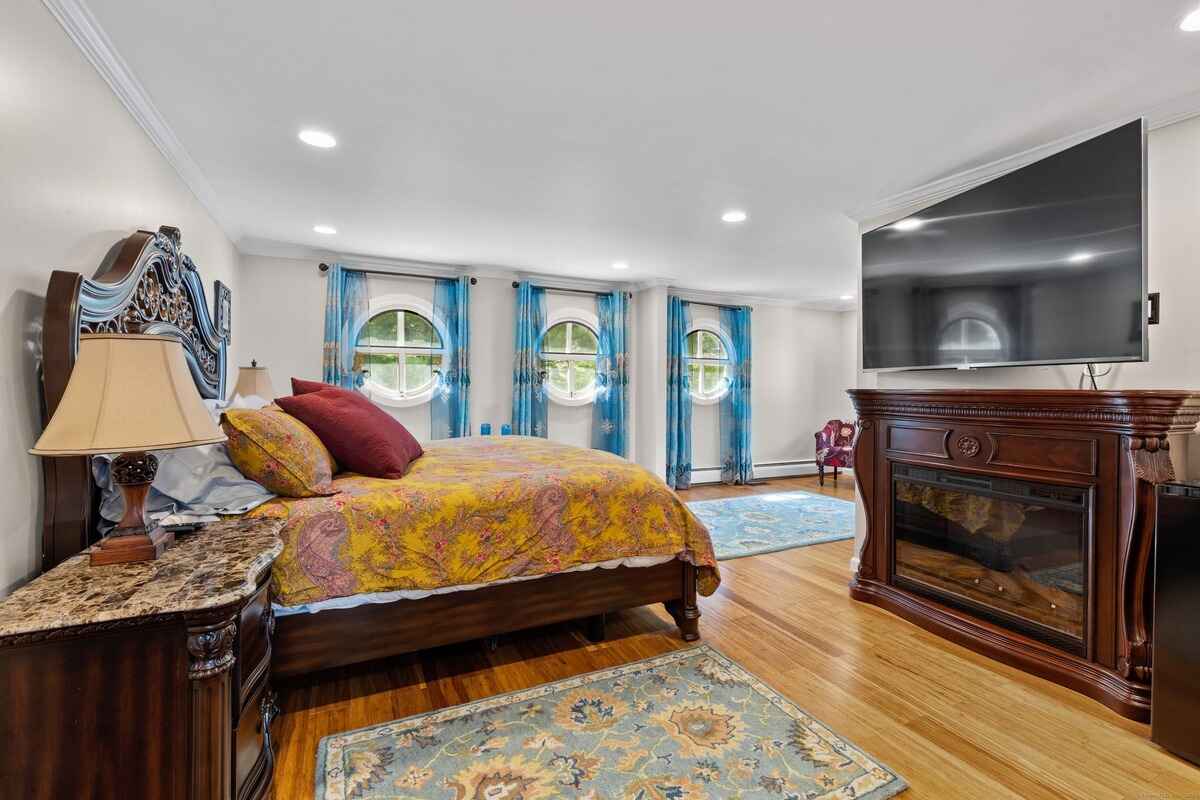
{"type": "Point", "coordinates": [716, 330]}
{"type": "Point", "coordinates": [582, 317]}
{"type": "Point", "coordinates": [403, 302]}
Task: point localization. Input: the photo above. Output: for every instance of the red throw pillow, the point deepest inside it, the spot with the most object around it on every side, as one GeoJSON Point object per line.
{"type": "Point", "coordinates": [361, 436]}
{"type": "Point", "coordinates": [300, 386]}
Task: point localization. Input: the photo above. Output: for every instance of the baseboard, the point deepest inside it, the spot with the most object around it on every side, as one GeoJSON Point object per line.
{"type": "Point", "coordinates": [769, 469]}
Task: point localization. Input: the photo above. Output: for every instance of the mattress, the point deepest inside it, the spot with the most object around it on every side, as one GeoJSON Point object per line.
{"type": "Point", "coordinates": [478, 511]}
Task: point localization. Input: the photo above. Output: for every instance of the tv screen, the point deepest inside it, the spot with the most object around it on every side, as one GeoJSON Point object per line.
{"type": "Point", "coordinates": [1044, 265]}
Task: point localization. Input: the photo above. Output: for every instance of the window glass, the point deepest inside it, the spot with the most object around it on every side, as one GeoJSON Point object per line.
{"type": "Point", "coordinates": [555, 340]}
{"type": "Point", "coordinates": [381, 329]}
{"type": "Point", "coordinates": [400, 353]}
{"type": "Point", "coordinates": [582, 339]}
{"type": "Point", "coordinates": [708, 365]}
{"type": "Point", "coordinates": [418, 331]}
{"type": "Point", "coordinates": [569, 360]}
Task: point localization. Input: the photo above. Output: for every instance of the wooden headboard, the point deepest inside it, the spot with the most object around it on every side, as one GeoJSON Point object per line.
{"type": "Point", "coordinates": [145, 285]}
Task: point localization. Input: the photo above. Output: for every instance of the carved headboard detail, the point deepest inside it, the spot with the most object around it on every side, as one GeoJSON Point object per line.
{"type": "Point", "coordinates": [146, 285]}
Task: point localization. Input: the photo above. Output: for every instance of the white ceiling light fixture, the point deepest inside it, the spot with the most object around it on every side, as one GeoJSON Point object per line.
{"type": "Point", "coordinates": [1079, 258]}
{"type": "Point", "coordinates": [846, 297]}
{"type": "Point", "coordinates": [316, 138]}
{"type": "Point", "coordinates": [910, 224]}
{"type": "Point", "coordinates": [1191, 23]}
{"type": "Point", "coordinates": [734, 215]}
{"type": "Point", "coordinates": [327, 230]}
{"type": "Point", "coordinates": [620, 265]}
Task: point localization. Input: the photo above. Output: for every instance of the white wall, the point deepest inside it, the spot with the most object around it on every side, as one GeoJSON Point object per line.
{"type": "Point", "coordinates": [799, 381]}
{"type": "Point", "coordinates": [287, 324]}
{"type": "Point", "coordinates": [649, 383]}
{"type": "Point", "coordinates": [1174, 270]}
{"type": "Point", "coordinates": [77, 174]}
{"type": "Point", "coordinates": [802, 361]}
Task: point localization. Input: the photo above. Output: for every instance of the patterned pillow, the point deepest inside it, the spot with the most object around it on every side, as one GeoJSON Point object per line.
{"type": "Point", "coordinates": [278, 451]}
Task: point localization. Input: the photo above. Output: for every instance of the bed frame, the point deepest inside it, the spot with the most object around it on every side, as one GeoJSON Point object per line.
{"type": "Point", "coordinates": [146, 285]}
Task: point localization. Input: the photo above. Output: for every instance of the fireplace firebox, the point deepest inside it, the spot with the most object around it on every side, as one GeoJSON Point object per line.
{"type": "Point", "coordinates": [1014, 552]}
{"type": "Point", "coordinates": [1020, 524]}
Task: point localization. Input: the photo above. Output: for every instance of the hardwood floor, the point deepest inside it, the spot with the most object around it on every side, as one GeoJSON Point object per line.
{"type": "Point", "coordinates": [954, 724]}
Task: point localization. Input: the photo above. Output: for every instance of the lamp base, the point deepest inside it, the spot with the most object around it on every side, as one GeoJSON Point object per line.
{"type": "Point", "coordinates": [121, 548]}
{"type": "Point", "coordinates": [132, 540]}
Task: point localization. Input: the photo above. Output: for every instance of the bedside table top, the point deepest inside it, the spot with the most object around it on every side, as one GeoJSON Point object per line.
{"type": "Point", "coordinates": [218, 565]}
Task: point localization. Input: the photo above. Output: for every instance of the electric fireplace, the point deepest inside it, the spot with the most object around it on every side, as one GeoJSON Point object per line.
{"type": "Point", "coordinates": [1011, 551]}
{"type": "Point", "coordinates": [1020, 523]}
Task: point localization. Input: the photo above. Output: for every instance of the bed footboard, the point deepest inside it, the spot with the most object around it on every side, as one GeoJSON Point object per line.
{"type": "Point", "coordinates": [307, 643]}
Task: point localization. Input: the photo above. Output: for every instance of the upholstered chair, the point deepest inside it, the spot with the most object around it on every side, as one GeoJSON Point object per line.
{"type": "Point", "coordinates": [835, 447]}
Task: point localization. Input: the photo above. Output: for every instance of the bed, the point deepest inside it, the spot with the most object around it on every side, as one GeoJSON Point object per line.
{"type": "Point", "coordinates": [482, 536]}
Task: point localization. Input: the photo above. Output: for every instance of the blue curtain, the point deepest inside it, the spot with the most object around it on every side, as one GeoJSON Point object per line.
{"type": "Point", "coordinates": [679, 397]}
{"type": "Point", "coordinates": [529, 395]}
{"type": "Point", "coordinates": [737, 463]}
{"type": "Point", "coordinates": [610, 410]}
{"type": "Point", "coordinates": [449, 410]}
{"type": "Point", "coordinates": [346, 309]}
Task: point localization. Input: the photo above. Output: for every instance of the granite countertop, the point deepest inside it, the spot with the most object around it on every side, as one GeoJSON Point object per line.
{"type": "Point", "coordinates": [218, 565]}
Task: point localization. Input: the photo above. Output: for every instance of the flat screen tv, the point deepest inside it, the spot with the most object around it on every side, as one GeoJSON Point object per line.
{"type": "Point", "coordinates": [1044, 265]}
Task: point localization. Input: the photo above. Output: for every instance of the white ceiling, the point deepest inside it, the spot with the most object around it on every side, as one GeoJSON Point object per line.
{"type": "Point", "coordinates": [558, 137]}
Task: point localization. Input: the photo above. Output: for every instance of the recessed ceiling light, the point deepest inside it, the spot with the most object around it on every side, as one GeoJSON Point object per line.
{"type": "Point", "coordinates": [1079, 258]}
{"type": "Point", "coordinates": [734, 215]}
{"type": "Point", "coordinates": [317, 138]}
{"type": "Point", "coordinates": [846, 297]}
{"type": "Point", "coordinates": [1191, 23]}
{"type": "Point", "coordinates": [328, 230]}
{"type": "Point", "coordinates": [620, 265]}
{"type": "Point", "coordinates": [910, 224]}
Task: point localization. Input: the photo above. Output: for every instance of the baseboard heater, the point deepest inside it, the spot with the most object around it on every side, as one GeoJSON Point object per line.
{"type": "Point", "coordinates": [763, 470]}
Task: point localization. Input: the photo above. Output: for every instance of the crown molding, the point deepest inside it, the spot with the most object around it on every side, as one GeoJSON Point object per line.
{"type": "Point", "coordinates": [705, 296]}
{"type": "Point", "coordinates": [882, 211]}
{"type": "Point", "coordinates": [85, 31]}
{"type": "Point", "coordinates": [437, 269]}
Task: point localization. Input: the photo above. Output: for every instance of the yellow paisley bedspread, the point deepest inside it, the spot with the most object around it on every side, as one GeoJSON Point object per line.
{"type": "Point", "coordinates": [478, 510]}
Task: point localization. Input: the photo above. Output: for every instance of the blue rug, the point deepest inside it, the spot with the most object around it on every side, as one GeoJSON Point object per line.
{"type": "Point", "coordinates": [767, 523]}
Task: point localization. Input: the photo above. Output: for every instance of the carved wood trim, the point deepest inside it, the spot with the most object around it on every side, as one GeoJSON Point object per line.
{"type": "Point", "coordinates": [1134, 412]}
{"type": "Point", "coordinates": [864, 479]}
{"type": "Point", "coordinates": [211, 649]}
{"type": "Point", "coordinates": [145, 285]}
{"type": "Point", "coordinates": [1145, 462]}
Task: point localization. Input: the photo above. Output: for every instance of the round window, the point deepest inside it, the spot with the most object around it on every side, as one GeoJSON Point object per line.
{"type": "Point", "coordinates": [708, 364]}
{"type": "Point", "coordinates": [399, 353]}
{"type": "Point", "coordinates": [569, 361]}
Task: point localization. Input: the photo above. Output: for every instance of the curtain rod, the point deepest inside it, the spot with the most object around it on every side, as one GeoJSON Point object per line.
{"type": "Point", "coordinates": [716, 305]}
{"type": "Point", "coordinates": [325, 268]}
{"type": "Point", "coordinates": [515, 284]}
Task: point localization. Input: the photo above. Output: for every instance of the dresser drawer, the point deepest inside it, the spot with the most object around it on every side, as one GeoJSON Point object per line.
{"type": "Point", "coordinates": [254, 645]}
{"type": "Point", "coordinates": [253, 757]}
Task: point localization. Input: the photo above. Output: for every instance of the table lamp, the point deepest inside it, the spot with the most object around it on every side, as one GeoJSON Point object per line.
{"type": "Point", "coordinates": [253, 381]}
{"type": "Point", "coordinates": [129, 394]}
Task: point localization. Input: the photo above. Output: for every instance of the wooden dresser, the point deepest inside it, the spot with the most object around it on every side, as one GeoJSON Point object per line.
{"type": "Point", "coordinates": [146, 680]}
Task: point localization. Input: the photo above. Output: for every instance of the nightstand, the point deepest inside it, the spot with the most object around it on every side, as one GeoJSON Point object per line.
{"type": "Point", "coordinates": [144, 680]}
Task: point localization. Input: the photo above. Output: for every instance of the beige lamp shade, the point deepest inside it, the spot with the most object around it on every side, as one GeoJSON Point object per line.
{"type": "Point", "coordinates": [128, 393]}
{"type": "Point", "coordinates": [254, 381]}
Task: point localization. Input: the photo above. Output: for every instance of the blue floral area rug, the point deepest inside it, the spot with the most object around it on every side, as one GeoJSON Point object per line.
{"type": "Point", "coordinates": [689, 725]}
{"type": "Point", "coordinates": [767, 523]}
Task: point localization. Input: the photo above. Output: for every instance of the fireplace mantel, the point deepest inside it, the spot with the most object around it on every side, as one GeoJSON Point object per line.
{"type": "Point", "coordinates": [1112, 443]}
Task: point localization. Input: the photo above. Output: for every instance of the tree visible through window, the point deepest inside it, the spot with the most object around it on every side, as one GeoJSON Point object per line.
{"type": "Point", "coordinates": [708, 364]}
{"type": "Point", "coordinates": [569, 359]}
{"type": "Point", "coordinates": [399, 351]}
